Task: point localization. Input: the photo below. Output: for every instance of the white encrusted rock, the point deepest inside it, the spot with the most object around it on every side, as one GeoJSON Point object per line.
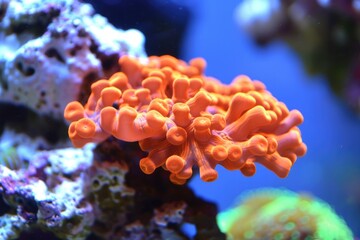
{"type": "Point", "coordinates": [53, 50]}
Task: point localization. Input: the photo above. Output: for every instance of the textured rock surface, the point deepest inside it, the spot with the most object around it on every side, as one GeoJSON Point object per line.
{"type": "Point", "coordinates": [49, 194]}
{"type": "Point", "coordinates": [53, 50]}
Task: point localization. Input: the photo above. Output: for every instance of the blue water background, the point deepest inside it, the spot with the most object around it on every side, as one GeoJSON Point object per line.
{"type": "Point", "coordinates": [331, 168]}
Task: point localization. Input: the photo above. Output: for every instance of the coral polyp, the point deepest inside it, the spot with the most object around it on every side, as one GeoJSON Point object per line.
{"type": "Point", "coordinates": [183, 118]}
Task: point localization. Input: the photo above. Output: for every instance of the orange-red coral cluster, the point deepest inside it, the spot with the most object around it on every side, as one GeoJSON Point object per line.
{"type": "Point", "coordinates": [183, 118]}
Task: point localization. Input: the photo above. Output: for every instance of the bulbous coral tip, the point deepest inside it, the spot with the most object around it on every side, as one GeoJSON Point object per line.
{"type": "Point", "coordinates": [119, 80]}
{"type": "Point", "coordinates": [181, 113]}
{"type": "Point", "coordinates": [180, 89]}
{"type": "Point", "coordinates": [176, 135]}
{"type": "Point", "coordinates": [202, 123]}
{"type": "Point", "coordinates": [107, 117]}
{"type": "Point", "coordinates": [258, 145]}
{"type": "Point", "coordinates": [234, 153]}
{"type": "Point", "coordinates": [169, 61]}
{"type": "Point", "coordinates": [74, 111]}
{"type": "Point", "coordinates": [219, 153]}
{"type": "Point", "coordinates": [199, 63]}
{"type": "Point", "coordinates": [72, 130]}
{"type": "Point", "coordinates": [98, 86]}
{"type": "Point", "coordinates": [240, 103]}
{"type": "Point", "coordinates": [76, 140]}
{"type": "Point", "coordinates": [218, 122]}
{"type": "Point", "coordinates": [85, 128]}
{"type": "Point", "coordinates": [248, 169]}
{"type": "Point", "coordinates": [175, 163]}
{"type": "Point", "coordinates": [159, 105]}
{"type": "Point", "coordinates": [202, 131]}
{"type": "Point", "coordinates": [110, 95]}
{"type": "Point", "coordinates": [301, 150]}
{"type": "Point", "coordinates": [147, 166]}
{"type": "Point", "coordinates": [178, 181]}
{"type": "Point", "coordinates": [152, 83]}
{"type": "Point", "coordinates": [208, 175]}
{"type": "Point", "coordinates": [196, 84]}
{"type": "Point", "coordinates": [185, 174]}
{"type": "Point", "coordinates": [155, 120]}
{"type": "Point", "coordinates": [298, 116]}
{"type": "Point", "coordinates": [272, 145]}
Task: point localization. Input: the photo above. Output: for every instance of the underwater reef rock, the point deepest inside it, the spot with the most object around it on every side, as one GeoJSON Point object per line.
{"type": "Point", "coordinates": [18, 149]}
{"type": "Point", "coordinates": [99, 193]}
{"type": "Point", "coordinates": [110, 197]}
{"type": "Point", "coordinates": [53, 50]}
{"type": "Point", "coordinates": [282, 214]}
{"type": "Point", "coordinates": [132, 205]}
{"type": "Point", "coordinates": [48, 195]}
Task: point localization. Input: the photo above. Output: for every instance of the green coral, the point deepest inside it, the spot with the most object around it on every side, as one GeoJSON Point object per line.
{"type": "Point", "coordinates": [281, 214]}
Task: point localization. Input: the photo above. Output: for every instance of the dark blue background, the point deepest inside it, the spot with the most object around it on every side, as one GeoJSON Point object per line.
{"type": "Point", "coordinates": [331, 168]}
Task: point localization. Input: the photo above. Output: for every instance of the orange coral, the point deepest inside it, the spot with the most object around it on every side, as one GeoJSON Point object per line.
{"type": "Point", "coordinates": [183, 118]}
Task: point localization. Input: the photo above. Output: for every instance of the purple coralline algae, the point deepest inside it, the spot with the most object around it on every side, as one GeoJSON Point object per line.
{"type": "Point", "coordinates": [53, 50]}
{"type": "Point", "coordinates": [48, 195]}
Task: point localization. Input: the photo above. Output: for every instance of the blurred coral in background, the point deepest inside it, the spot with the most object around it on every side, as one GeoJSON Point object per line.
{"type": "Point", "coordinates": [325, 34]}
{"type": "Point", "coordinates": [281, 214]}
